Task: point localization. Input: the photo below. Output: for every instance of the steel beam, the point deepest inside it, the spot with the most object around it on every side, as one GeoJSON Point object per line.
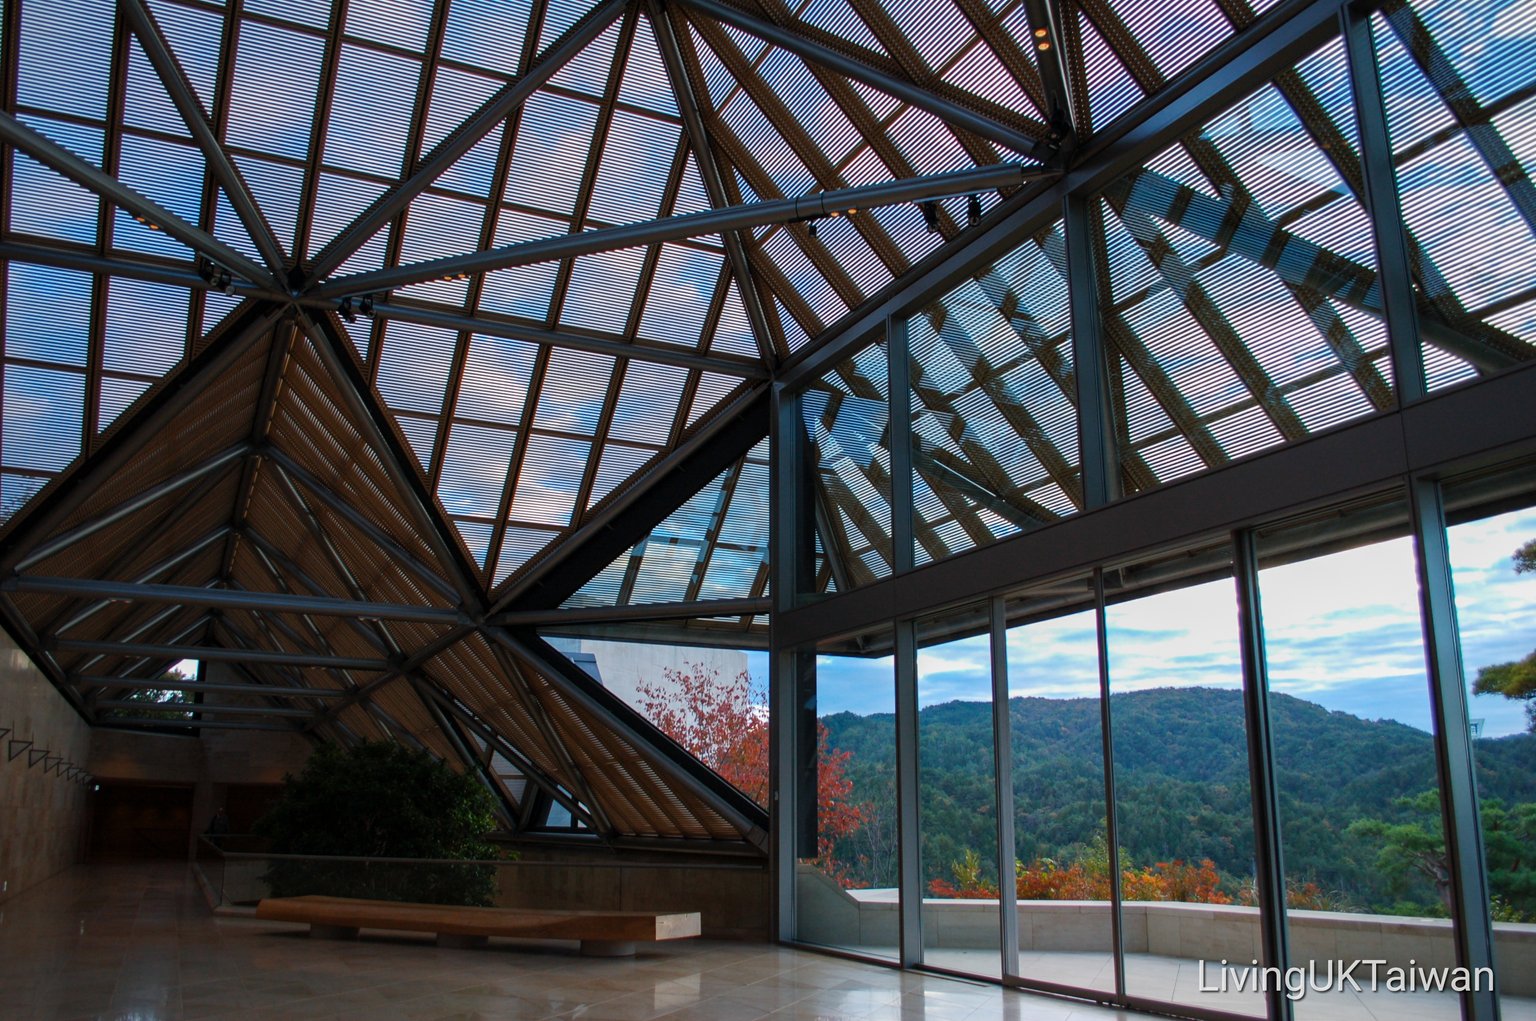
{"type": "Point", "coordinates": [481, 323]}
{"type": "Point", "coordinates": [636, 612]}
{"type": "Point", "coordinates": [235, 599]}
{"type": "Point", "coordinates": [224, 171]}
{"type": "Point", "coordinates": [631, 516]}
{"type": "Point", "coordinates": [745, 216]}
{"type": "Point", "coordinates": [132, 505]}
{"type": "Point", "coordinates": [51, 154]}
{"type": "Point", "coordinates": [223, 688]}
{"type": "Point", "coordinates": [263, 657]}
{"type": "Point", "coordinates": [170, 562]}
{"type": "Point", "coordinates": [464, 137]}
{"type": "Point", "coordinates": [950, 112]}
{"type": "Point", "coordinates": [154, 270]}
{"type": "Point", "coordinates": [1454, 760]}
{"type": "Point", "coordinates": [109, 722]}
{"type": "Point", "coordinates": [898, 375]}
{"type": "Point", "coordinates": [199, 707]}
{"type": "Point", "coordinates": [909, 864]}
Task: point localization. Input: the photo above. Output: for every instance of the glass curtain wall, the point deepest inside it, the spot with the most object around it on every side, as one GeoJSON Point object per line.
{"type": "Point", "coordinates": [957, 793]}
{"type": "Point", "coordinates": [1055, 720]}
{"type": "Point", "coordinates": [846, 888]}
{"type": "Point", "coordinates": [1350, 719]}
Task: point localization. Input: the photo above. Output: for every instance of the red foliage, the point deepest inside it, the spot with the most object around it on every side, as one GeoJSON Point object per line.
{"type": "Point", "coordinates": [721, 724]}
{"type": "Point", "coordinates": [1044, 879]}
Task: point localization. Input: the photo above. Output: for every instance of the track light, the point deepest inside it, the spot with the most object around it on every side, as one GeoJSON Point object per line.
{"type": "Point", "coordinates": [930, 214]}
{"type": "Point", "coordinates": [344, 309]}
{"type": "Point", "coordinates": [973, 209]}
{"type": "Point", "coordinates": [810, 228]}
{"type": "Point", "coordinates": [366, 305]}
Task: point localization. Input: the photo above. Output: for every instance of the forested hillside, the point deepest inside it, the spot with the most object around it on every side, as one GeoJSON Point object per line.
{"type": "Point", "coordinates": [1181, 776]}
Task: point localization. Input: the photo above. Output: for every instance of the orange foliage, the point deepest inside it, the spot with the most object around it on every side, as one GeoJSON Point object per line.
{"type": "Point", "coordinates": [719, 723]}
{"type": "Point", "coordinates": [1044, 879]}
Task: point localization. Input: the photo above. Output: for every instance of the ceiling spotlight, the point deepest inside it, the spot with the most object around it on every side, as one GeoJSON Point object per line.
{"type": "Point", "coordinates": [1040, 33]}
{"type": "Point", "coordinates": [930, 214]}
{"type": "Point", "coordinates": [344, 308]}
{"type": "Point", "coordinates": [810, 228]}
{"type": "Point", "coordinates": [973, 209]}
{"type": "Point", "coordinates": [1042, 45]}
{"type": "Point", "coordinates": [366, 305]}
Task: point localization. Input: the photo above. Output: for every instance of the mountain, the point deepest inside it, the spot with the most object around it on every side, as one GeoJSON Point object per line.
{"type": "Point", "coordinates": [1181, 780]}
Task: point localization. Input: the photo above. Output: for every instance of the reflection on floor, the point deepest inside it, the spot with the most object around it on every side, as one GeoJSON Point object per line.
{"type": "Point", "coordinates": [136, 943]}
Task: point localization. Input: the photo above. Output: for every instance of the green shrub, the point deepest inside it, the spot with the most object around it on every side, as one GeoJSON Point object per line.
{"type": "Point", "coordinates": [380, 800]}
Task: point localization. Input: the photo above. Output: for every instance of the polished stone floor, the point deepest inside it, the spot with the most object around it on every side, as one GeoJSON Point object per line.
{"type": "Point", "coordinates": [137, 943]}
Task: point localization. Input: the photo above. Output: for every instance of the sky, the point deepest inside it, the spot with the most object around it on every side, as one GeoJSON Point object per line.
{"type": "Point", "coordinates": [1340, 630]}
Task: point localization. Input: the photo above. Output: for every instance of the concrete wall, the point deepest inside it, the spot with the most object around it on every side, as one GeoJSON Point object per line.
{"type": "Point", "coordinates": [42, 815]}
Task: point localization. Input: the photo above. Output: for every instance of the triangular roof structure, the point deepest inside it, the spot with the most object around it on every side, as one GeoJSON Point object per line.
{"type": "Point", "coordinates": [363, 338]}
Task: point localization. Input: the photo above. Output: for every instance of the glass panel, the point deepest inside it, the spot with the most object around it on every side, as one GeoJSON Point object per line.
{"type": "Point", "coordinates": [1457, 80]}
{"type": "Point", "coordinates": [846, 896]}
{"type": "Point", "coordinates": [1240, 272]}
{"type": "Point", "coordinates": [994, 426]}
{"type": "Point", "coordinates": [1062, 873]}
{"type": "Point", "coordinates": [847, 419]}
{"type": "Point", "coordinates": [712, 701]}
{"type": "Point", "coordinates": [957, 793]}
{"type": "Point", "coordinates": [1493, 560]}
{"type": "Point", "coordinates": [1183, 810]}
{"type": "Point", "coordinates": [1354, 756]}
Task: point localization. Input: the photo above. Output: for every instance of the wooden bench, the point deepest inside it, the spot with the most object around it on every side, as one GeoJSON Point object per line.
{"type": "Point", "coordinates": [602, 933]}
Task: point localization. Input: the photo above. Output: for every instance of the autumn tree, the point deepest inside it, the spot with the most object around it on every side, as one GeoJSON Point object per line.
{"type": "Point", "coordinates": [1515, 680]}
{"type": "Point", "coordinates": [724, 724]}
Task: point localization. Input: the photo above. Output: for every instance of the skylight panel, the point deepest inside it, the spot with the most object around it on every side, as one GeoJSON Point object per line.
{"type": "Point", "coordinates": [413, 366]}
{"type": "Point", "coordinates": [1111, 90]}
{"type": "Point", "coordinates": [589, 70]}
{"type": "Point", "coordinates": [43, 410]}
{"type": "Point", "coordinates": [486, 33]}
{"type": "Point", "coordinates": [312, 13]}
{"type": "Point", "coordinates": [647, 402]}
{"type": "Point", "coordinates": [494, 382]}
{"type": "Point", "coordinates": [803, 275]}
{"type": "Point", "coordinates": [553, 141]}
{"type": "Point", "coordinates": [65, 57]}
{"type": "Point", "coordinates": [171, 175]}
{"type": "Point", "coordinates": [1171, 458]}
{"type": "Point", "coordinates": [618, 463]}
{"type": "Point", "coordinates": [980, 73]}
{"type": "Point", "coordinates": [632, 172]}
{"type": "Point", "coordinates": [1174, 36]}
{"type": "Point", "coordinates": [937, 31]}
{"type": "Point", "coordinates": [1413, 111]}
{"type": "Point", "coordinates": [371, 111]}
{"type": "Point", "coordinates": [767, 146]}
{"type": "Point", "coordinates": [1183, 351]}
{"type": "Point", "coordinates": [838, 18]}
{"type": "Point", "coordinates": [474, 470]}
{"type": "Point", "coordinates": [146, 104]}
{"type": "Point", "coordinates": [794, 331]}
{"type": "Point", "coordinates": [575, 385]}
{"type": "Point", "coordinates": [853, 254]}
{"type": "Point", "coordinates": [520, 291]}
{"type": "Point", "coordinates": [46, 204]}
{"type": "Point", "coordinates": [398, 23]}
{"type": "Point", "coordinates": [421, 436]}
{"type": "Point", "coordinates": [146, 326]}
{"type": "Point", "coordinates": [602, 290]}
{"type": "Point", "coordinates": [115, 397]}
{"type": "Point", "coordinates": [1129, 269]}
{"type": "Point", "coordinates": [436, 227]}
{"type": "Point", "coordinates": [195, 37]}
{"type": "Point", "coordinates": [712, 390]}
{"type": "Point", "coordinates": [16, 491]}
{"type": "Point", "coordinates": [927, 143]}
{"type": "Point", "coordinates": [794, 85]}
{"type": "Point", "coordinates": [278, 189]}
{"type": "Point", "coordinates": [691, 196]}
{"type": "Point", "coordinates": [474, 173]}
{"type": "Point", "coordinates": [456, 96]}
{"type": "Point", "coordinates": [277, 76]}
{"type": "Point", "coordinates": [664, 573]}
{"type": "Point", "coordinates": [339, 201]}
{"type": "Point", "coordinates": [722, 85]}
{"type": "Point", "coordinates": [731, 574]}
{"type": "Point", "coordinates": [548, 480]}
{"type": "Point", "coordinates": [518, 546]}
{"type": "Point", "coordinates": [477, 538]}
{"type": "Point", "coordinates": [1329, 401]}
{"type": "Point", "coordinates": [1489, 45]}
{"type": "Point", "coordinates": [681, 290]}
{"type": "Point", "coordinates": [733, 331]}
{"type": "Point", "coordinates": [47, 314]}
{"type": "Point", "coordinates": [1271, 322]}
{"type": "Point", "coordinates": [906, 227]}
{"type": "Point", "coordinates": [645, 83]}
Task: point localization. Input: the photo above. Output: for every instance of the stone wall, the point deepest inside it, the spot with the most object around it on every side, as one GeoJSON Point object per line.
{"type": "Point", "coordinates": [42, 813]}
